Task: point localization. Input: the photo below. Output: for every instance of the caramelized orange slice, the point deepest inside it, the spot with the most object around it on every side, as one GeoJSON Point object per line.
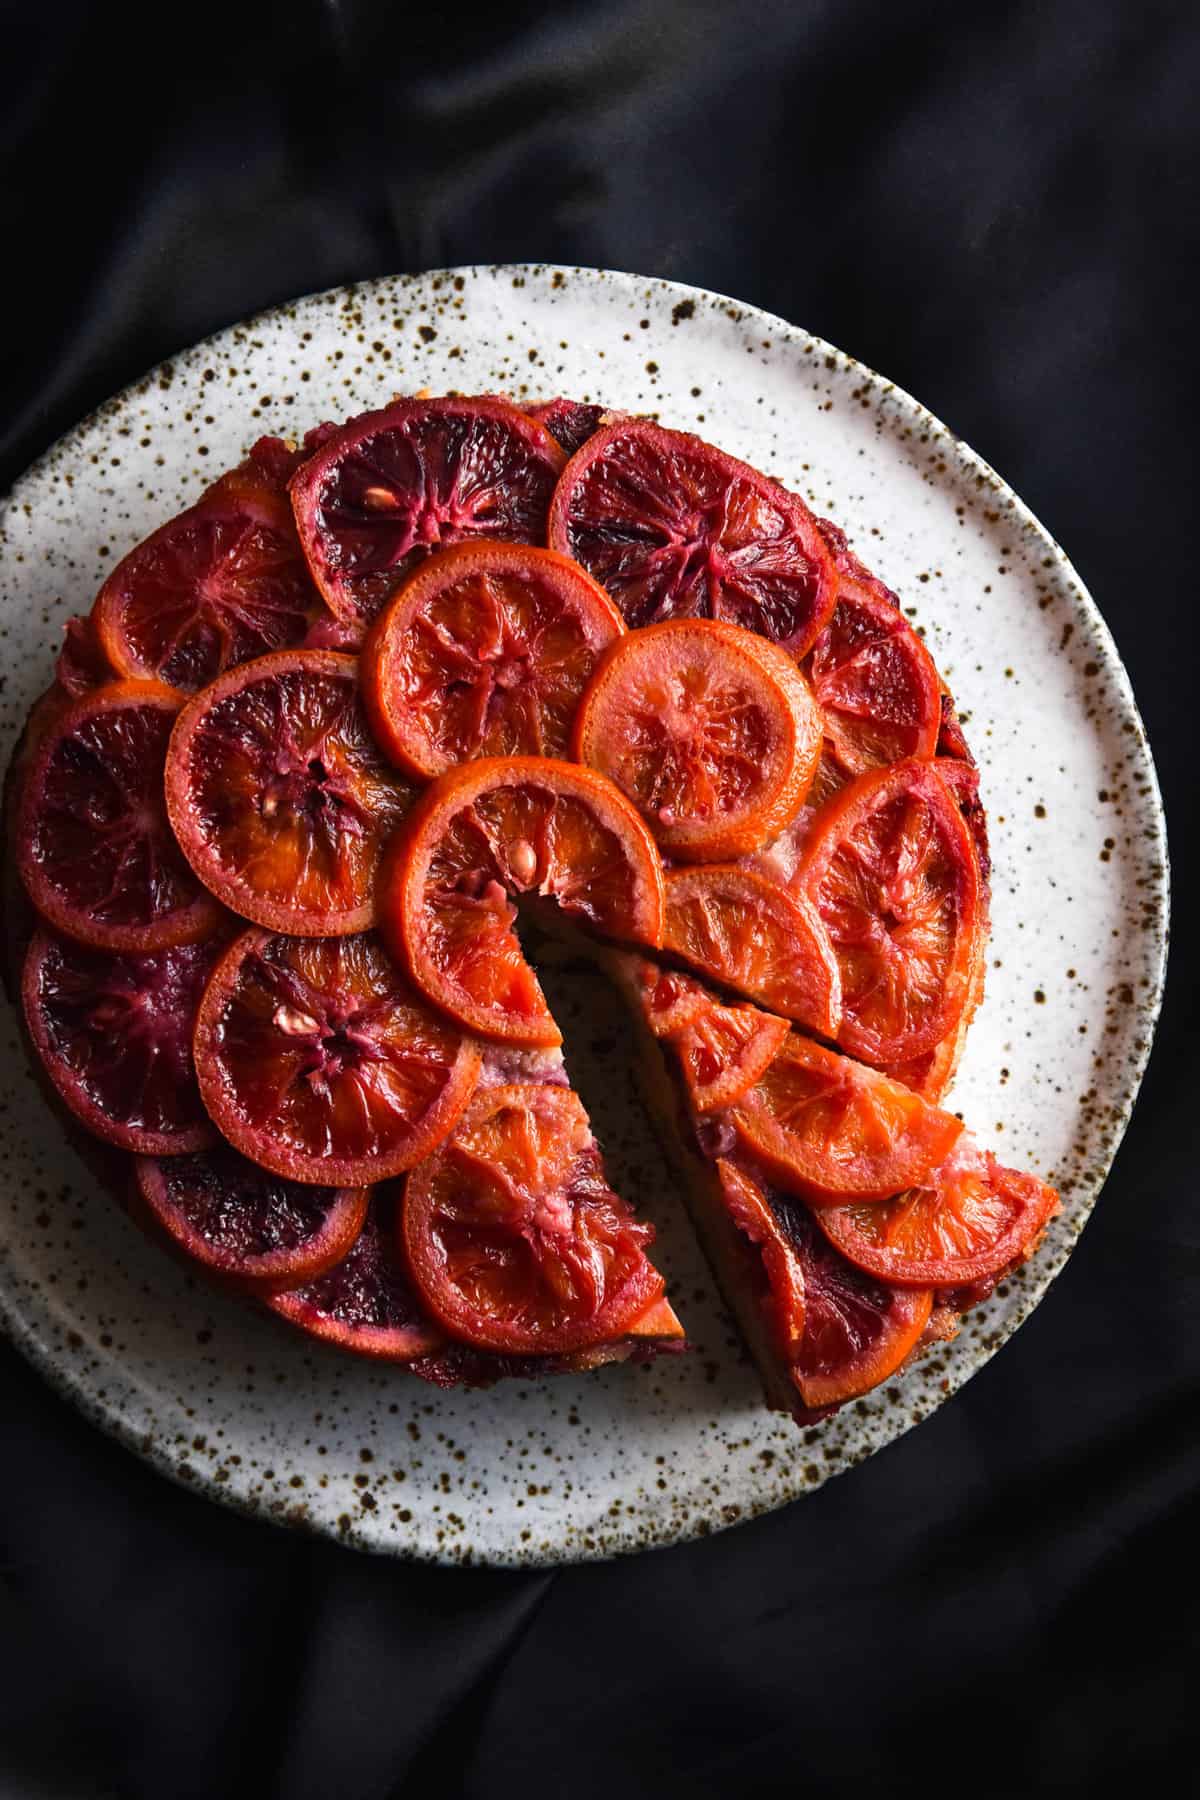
{"type": "Point", "coordinates": [826, 1126]}
{"type": "Point", "coordinates": [279, 796]}
{"type": "Point", "coordinates": [514, 1239]}
{"type": "Point", "coordinates": [484, 651]}
{"type": "Point", "coordinates": [740, 928]}
{"type": "Point", "coordinates": [506, 826]}
{"type": "Point", "coordinates": [891, 871]}
{"type": "Point", "coordinates": [708, 729]}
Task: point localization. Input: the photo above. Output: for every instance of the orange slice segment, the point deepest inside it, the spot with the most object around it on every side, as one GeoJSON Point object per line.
{"type": "Point", "coordinates": [514, 1239]}
{"type": "Point", "coordinates": [675, 528]}
{"type": "Point", "coordinates": [93, 843]}
{"type": "Point", "coordinates": [317, 1061]}
{"type": "Point", "coordinates": [725, 1051]}
{"type": "Point", "coordinates": [741, 929]}
{"type": "Point", "coordinates": [973, 1219]}
{"type": "Point", "coordinates": [223, 582]}
{"type": "Point", "coordinates": [825, 1126]}
{"type": "Point", "coordinates": [874, 680]}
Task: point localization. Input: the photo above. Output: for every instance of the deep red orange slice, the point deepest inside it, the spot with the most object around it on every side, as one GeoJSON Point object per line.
{"type": "Point", "coordinates": [741, 929]}
{"type": "Point", "coordinates": [675, 528]}
{"type": "Point", "coordinates": [244, 1226]}
{"type": "Point", "coordinates": [709, 730]}
{"type": "Point", "coordinates": [570, 422]}
{"type": "Point", "coordinates": [366, 1303]}
{"type": "Point", "coordinates": [81, 664]}
{"type": "Point", "coordinates": [113, 1031]}
{"type": "Point", "coordinates": [512, 826]}
{"type": "Point", "coordinates": [891, 871]}
{"type": "Point", "coordinates": [825, 1126]}
{"type": "Point", "coordinates": [93, 843]}
{"type": "Point", "coordinates": [841, 1330]}
{"type": "Point", "coordinates": [318, 1062]}
{"type": "Point", "coordinates": [874, 680]}
{"type": "Point", "coordinates": [970, 1222]}
{"type": "Point", "coordinates": [484, 651]}
{"type": "Point", "coordinates": [857, 1329]}
{"type": "Point", "coordinates": [279, 795]}
{"type": "Point", "coordinates": [514, 1239]}
{"type": "Point", "coordinates": [390, 486]}
{"type": "Point", "coordinates": [221, 583]}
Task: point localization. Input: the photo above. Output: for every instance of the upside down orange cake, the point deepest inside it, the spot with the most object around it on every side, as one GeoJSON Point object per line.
{"type": "Point", "coordinates": [326, 738]}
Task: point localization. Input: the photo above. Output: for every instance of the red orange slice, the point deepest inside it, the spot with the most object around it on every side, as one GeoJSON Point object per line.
{"type": "Point", "coordinates": [826, 1126]}
{"type": "Point", "coordinates": [390, 486]}
{"type": "Point", "coordinates": [891, 871]}
{"type": "Point", "coordinates": [501, 827]}
{"type": "Point", "coordinates": [484, 651]}
{"type": "Point", "coordinates": [740, 928]}
{"type": "Point", "coordinates": [244, 1226]}
{"type": "Point", "coordinates": [675, 528]}
{"type": "Point", "coordinates": [514, 1238]}
{"type": "Point", "coordinates": [279, 796]}
{"type": "Point", "coordinates": [221, 583]}
{"type": "Point", "coordinates": [710, 731]}
{"type": "Point", "coordinates": [318, 1062]}
{"type": "Point", "coordinates": [366, 1303]}
{"type": "Point", "coordinates": [972, 1220]}
{"type": "Point", "coordinates": [93, 843]}
{"type": "Point", "coordinates": [113, 1031]}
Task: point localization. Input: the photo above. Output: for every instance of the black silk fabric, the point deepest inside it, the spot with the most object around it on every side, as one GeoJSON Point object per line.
{"type": "Point", "coordinates": [996, 206]}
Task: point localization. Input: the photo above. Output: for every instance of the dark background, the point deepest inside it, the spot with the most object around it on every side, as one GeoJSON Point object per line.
{"type": "Point", "coordinates": [998, 207]}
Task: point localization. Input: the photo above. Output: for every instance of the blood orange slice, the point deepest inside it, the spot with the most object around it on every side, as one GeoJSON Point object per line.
{"type": "Point", "coordinates": [279, 796]}
{"type": "Point", "coordinates": [244, 1226]}
{"type": "Point", "coordinates": [221, 583]}
{"type": "Point", "coordinates": [674, 528]}
{"type": "Point", "coordinates": [366, 1303]}
{"type": "Point", "coordinates": [390, 486]}
{"type": "Point", "coordinates": [114, 1034]}
{"type": "Point", "coordinates": [570, 422]}
{"type": "Point", "coordinates": [738, 927]}
{"type": "Point", "coordinates": [507, 826]}
{"type": "Point", "coordinates": [81, 665]}
{"type": "Point", "coordinates": [826, 1126]}
{"type": "Point", "coordinates": [874, 680]}
{"type": "Point", "coordinates": [891, 871]}
{"type": "Point", "coordinates": [839, 1331]}
{"type": "Point", "coordinates": [515, 1240]}
{"type": "Point", "coordinates": [962, 779]}
{"type": "Point", "coordinates": [318, 1062]}
{"type": "Point", "coordinates": [484, 651]}
{"type": "Point", "coordinates": [968, 1223]}
{"type": "Point", "coordinates": [669, 1000]}
{"type": "Point", "coordinates": [93, 844]}
{"type": "Point", "coordinates": [931, 1073]}
{"type": "Point", "coordinates": [857, 1329]}
{"type": "Point", "coordinates": [709, 730]}
{"type": "Point", "coordinates": [781, 1290]}
{"type": "Point", "coordinates": [725, 1051]}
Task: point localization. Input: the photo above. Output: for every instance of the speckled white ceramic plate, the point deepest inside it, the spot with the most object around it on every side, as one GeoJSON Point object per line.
{"type": "Point", "coordinates": [625, 1458]}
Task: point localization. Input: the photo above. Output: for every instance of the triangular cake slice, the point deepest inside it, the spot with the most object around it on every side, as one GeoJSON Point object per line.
{"type": "Point", "coordinates": [824, 1326]}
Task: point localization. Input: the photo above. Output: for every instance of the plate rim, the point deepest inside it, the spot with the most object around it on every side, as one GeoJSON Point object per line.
{"type": "Point", "coordinates": [60, 1374]}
